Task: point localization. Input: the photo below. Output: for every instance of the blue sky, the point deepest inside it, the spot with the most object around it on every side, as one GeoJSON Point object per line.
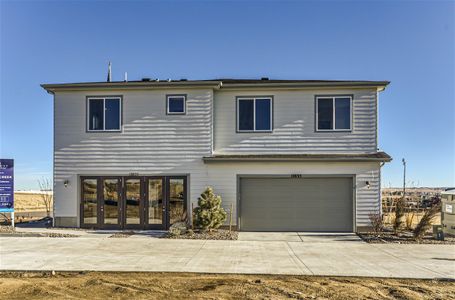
{"type": "Point", "coordinates": [410, 43]}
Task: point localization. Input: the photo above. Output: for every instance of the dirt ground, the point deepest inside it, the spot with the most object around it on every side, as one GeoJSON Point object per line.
{"type": "Point", "coordinates": [97, 285]}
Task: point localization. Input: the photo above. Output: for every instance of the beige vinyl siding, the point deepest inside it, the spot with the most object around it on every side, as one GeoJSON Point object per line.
{"type": "Point", "coordinates": [294, 124]}
{"type": "Point", "coordinates": [150, 143]}
{"type": "Point", "coordinates": [153, 143]}
{"type": "Point", "coordinates": [223, 177]}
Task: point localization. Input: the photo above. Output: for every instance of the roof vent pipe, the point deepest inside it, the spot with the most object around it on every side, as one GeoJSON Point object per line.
{"type": "Point", "coordinates": [109, 72]}
{"type": "Point", "coordinates": [126, 77]}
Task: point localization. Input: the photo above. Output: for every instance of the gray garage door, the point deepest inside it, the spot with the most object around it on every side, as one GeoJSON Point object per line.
{"type": "Point", "coordinates": [296, 204]}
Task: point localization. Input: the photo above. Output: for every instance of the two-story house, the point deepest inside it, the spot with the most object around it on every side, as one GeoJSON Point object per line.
{"type": "Point", "coordinates": [287, 155]}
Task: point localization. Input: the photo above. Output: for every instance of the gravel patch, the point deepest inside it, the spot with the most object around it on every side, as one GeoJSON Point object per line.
{"type": "Point", "coordinates": [60, 235]}
{"type": "Point", "coordinates": [125, 234]}
{"type": "Point", "coordinates": [69, 228]}
{"type": "Point", "coordinates": [220, 234]}
{"type": "Point", "coordinates": [7, 229]}
{"type": "Point", "coordinates": [403, 238]}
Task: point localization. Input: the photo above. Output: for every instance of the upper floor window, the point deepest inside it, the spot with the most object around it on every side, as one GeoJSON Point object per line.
{"type": "Point", "coordinates": [254, 114]}
{"type": "Point", "coordinates": [104, 113]}
{"type": "Point", "coordinates": [333, 113]}
{"type": "Point", "coordinates": [176, 104]}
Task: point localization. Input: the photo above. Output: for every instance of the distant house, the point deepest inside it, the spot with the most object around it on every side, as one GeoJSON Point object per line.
{"type": "Point", "coordinates": [289, 155]}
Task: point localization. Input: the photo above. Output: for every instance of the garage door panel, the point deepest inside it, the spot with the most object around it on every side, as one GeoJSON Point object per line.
{"type": "Point", "coordinates": [296, 204]}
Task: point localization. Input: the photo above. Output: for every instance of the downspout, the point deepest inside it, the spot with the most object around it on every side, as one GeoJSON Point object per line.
{"type": "Point", "coordinates": [53, 157]}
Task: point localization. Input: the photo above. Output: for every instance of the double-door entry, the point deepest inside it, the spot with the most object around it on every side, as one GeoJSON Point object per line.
{"type": "Point", "coordinates": [133, 202]}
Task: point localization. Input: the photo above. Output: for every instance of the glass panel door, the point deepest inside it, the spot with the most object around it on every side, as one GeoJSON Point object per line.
{"type": "Point", "coordinates": [89, 201]}
{"type": "Point", "coordinates": [133, 201]}
{"type": "Point", "coordinates": [176, 196]}
{"type": "Point", "coordinates": [111, 201]}
{"type": "Point", "coordinates": [155, 201]}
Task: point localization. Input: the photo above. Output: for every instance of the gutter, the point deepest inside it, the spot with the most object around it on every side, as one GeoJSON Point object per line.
{"type": "Point", "coordinates": [380, 85]}
{"type": "Point", "coordinates": [52, 88]}
{"type": "Point", "coordinates": [208, 159]}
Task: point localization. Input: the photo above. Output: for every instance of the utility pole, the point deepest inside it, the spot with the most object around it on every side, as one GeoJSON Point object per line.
{"type": "Point", "coordinates": [404, 179]}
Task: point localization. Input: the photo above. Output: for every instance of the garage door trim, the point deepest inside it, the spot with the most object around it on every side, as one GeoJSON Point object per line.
{"type": "Point", "coordinates": [352, 176]}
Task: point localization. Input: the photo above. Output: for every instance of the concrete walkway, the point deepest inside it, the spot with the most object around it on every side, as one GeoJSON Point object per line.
{"type": "Point", "coordinates": [253, 253]}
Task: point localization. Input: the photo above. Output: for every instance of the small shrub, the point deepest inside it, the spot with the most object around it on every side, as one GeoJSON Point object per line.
{"type": "Point", "coordinates": [399, 213]}
{"type": "Point", "coordinates": [178, 229]}
{"type": "Point", "coordinates": [209, 214]}
{"type": "Point", "coordinates": [426, 221]}
{"type": "Point", "coordinates": [409, 220]}
{"type": "Point", "coordinates": [377, 222]}
{"type": "Point", "coordinates": [173, 231]}
{"type": "Point", "coordinates": [179, 214]}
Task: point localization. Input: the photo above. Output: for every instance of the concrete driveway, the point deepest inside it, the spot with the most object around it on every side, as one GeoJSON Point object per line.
{"type": "Point", "coordinates": [253, 253]}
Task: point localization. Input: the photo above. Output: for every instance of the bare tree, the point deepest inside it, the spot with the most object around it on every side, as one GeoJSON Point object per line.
{"type": "Point", "coordinates": [45, 186]}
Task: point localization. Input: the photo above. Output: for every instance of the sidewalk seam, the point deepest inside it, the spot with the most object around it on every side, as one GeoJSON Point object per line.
{"type": "Point", "coordinates": [409, 262]}
{"type": "Point", "coordinates": [298, 258]}
{"type": "Point", "coordinates": [197, 252]}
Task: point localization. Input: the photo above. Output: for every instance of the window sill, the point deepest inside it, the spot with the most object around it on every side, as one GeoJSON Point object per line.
{"type": "Point", "coordinates": [92, 131]}
{"type": "Point", "coordinates": [334, 130]}
{"type": "Point", "coordinates": [254, 131]}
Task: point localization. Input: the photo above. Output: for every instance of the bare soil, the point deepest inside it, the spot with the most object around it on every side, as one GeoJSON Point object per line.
{"type": "Point", "coordinates": [97, 285]}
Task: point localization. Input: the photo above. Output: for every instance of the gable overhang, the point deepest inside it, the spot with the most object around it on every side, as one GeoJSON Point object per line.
{"type": "Point", "coordinates": [378, 85]}
{"type": "Point", "coordinates": [368, 157]}
{"type": "Point", "coordinates": [125, 85]}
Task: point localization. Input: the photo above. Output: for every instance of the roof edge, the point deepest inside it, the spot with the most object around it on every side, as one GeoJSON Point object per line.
{"type": "Point", "coordinates": [215, 84]}
{"type": "Point", "coordinates": [52, 87]}
{"type": "Point", "coordinates": [378, 157]}
{"type": "Point", "coordinates": [377, 84]}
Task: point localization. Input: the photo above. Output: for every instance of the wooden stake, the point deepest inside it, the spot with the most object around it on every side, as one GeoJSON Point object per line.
{"type": "Point", "coordinates": [230, 217]}
{"type": "Point", "coordinates": [192, 215]}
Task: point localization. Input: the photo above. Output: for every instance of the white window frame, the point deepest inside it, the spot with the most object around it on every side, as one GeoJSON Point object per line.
{"type": "Point", "coordinates": [254, 98]}
{"type": "Point", "coordinates": [104, 114]}
{"type": "Point", "coordinates": [333, 113]}
{"type": "Point", "coordinates": [175, 113]}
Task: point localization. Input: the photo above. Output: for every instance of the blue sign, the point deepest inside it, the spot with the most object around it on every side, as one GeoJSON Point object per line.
{"type": "Point", "coordinates": [6, 185]}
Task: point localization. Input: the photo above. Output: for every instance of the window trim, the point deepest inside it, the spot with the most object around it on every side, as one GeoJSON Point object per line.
{"type": "Point", "coordinates": [240, 98]}
{"type": "Point", "coordinates": [316, 109]}
{"type": "Point", "coordinates": [87, 114]}
{"type": "Point", "coordinates": [175, 96]}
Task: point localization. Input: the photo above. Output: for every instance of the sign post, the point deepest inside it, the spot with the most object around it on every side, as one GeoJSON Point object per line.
{"type": "Point", "coordinates": [7, 187]}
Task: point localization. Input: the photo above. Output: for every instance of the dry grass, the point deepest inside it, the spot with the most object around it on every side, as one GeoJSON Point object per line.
{"type": "Point", "coordinates": [214, 286]}
{"type": "Point", "coordinates": [389, 218]}
{"type": "Point", "coordinates": [26, 201]}
{"type": "Point", "coordinates": [426, 221]}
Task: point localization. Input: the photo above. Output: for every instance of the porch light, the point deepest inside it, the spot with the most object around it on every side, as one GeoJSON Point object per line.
{"type": "Point", "coordinates": [66, 182]}
{"type": "Point", "coordinates": [367, 184]}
